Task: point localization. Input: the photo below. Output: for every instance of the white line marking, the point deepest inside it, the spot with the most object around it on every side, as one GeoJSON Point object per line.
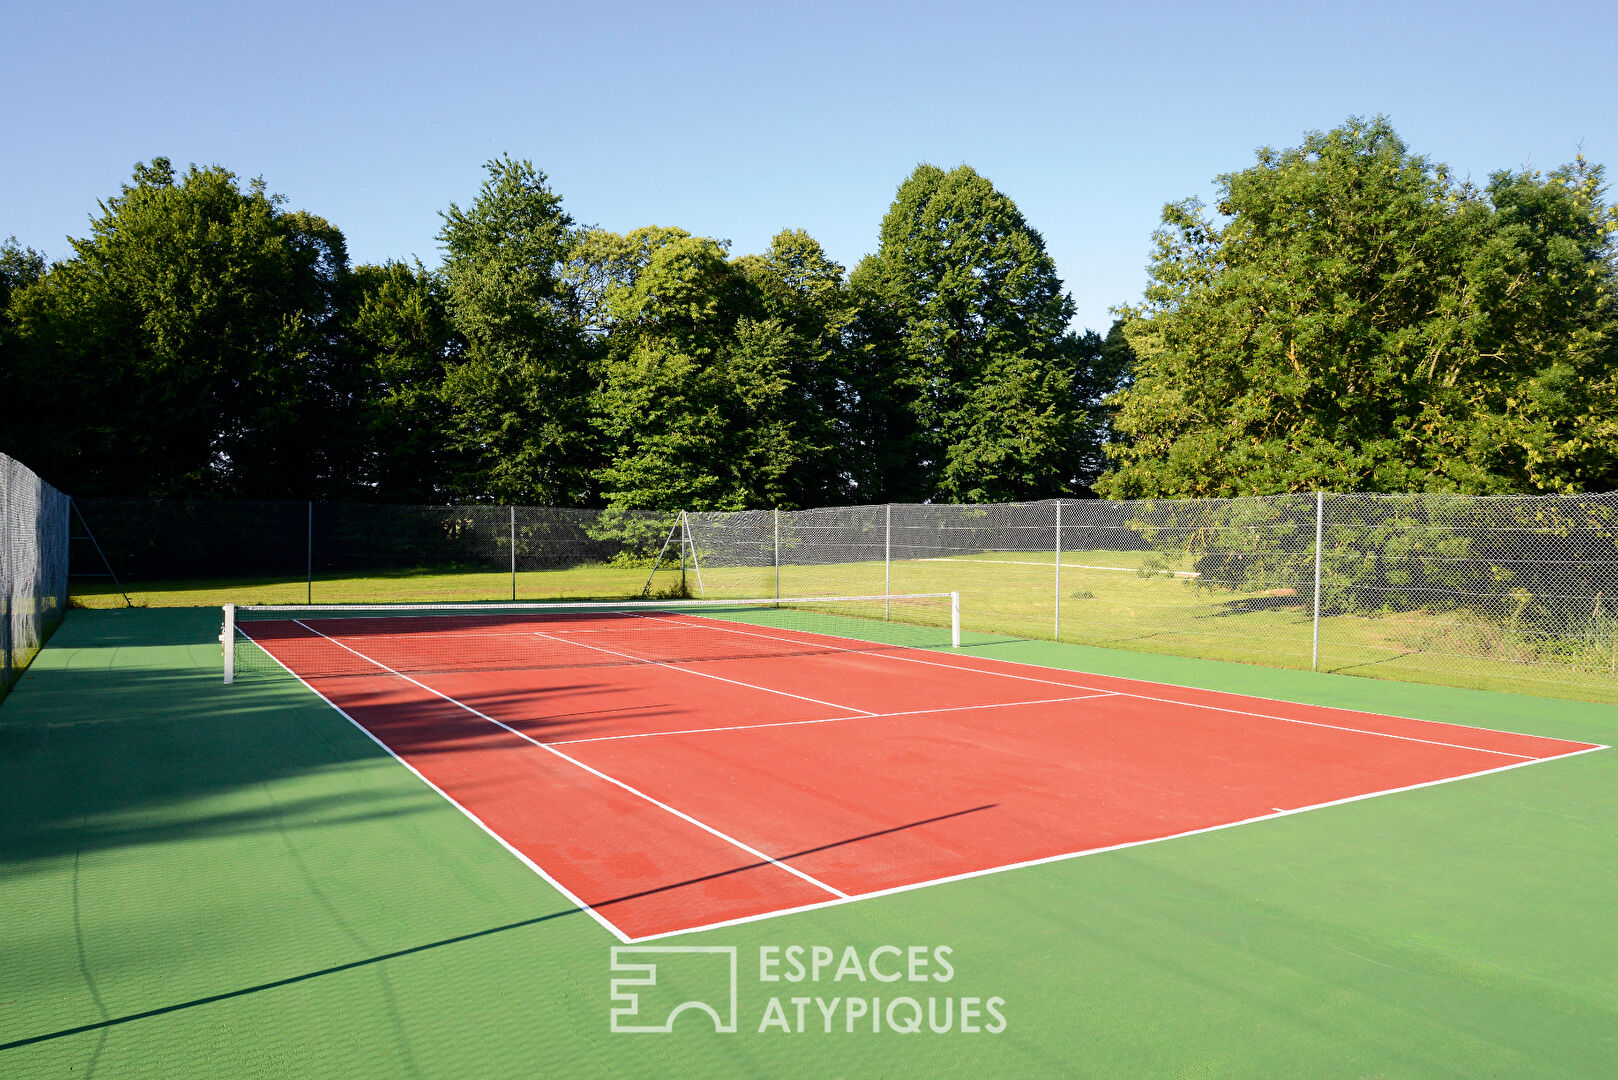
{"type": "Point", "coordinates": [479, 822]}
{"type": "Point", "coordinates": [1065, 566]}
{"type": "Point", "coordinates": [594, 772]}
{"type": "Point", "coordinates": [912, 886]}
{"type": "Point", "coordinates": [702, 674]}
{"type": "Point", "coordinates": [845, 897]}
{"type": "Point", "coordinates": [891, 655]}
{"type": "Point", "coordinates": [1266, 716]}
{"type": "Point", "coordinates": [881, 650]}
{"type": "Point", "coordinates": [831, 719]}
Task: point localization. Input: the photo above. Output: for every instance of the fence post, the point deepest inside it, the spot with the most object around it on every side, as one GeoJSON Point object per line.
{"type": "Point", "coordinates": [1320, 521]}
{"type": "Point", "coordinates": [887, 561]}
{"type": "Point", "coordinates": [513, 553]}
{"type": "Point", "coordinates": [1057, 635]}
{"type": "Point", "coordinates": [310, 553]}
{"type": "Point", "coordinates": [778, 553]}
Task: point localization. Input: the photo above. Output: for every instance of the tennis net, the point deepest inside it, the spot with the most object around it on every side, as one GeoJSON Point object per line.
{"type": "Point", "coordinates": [331, 640]}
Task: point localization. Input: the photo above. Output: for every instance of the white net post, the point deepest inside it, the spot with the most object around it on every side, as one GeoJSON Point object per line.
{"type": "Point", "coordinates": [227, 639]}
{"type": "Point", "coordinates": [955, 620]}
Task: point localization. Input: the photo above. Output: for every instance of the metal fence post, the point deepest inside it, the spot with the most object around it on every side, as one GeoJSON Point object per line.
{"type": "Point", "coordinates": [1320, 521]}
{"type": "Point", "coordinates": [887, 560]}
{"type": "Point", "coordinates": [778, 553]}
{"type": "Point", "coordinates": [1057, 635]}
{"type": "Point", "coordinates": [310, 553]}
{"type": "Point", "coordinates": [513, 552]}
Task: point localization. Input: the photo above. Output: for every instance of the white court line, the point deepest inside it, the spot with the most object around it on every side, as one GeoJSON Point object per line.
{"type": "Point", "coordinates": [844, 898]}
{"type": "Point", "coordinates": [889, 655]}
{"type": "Point", "coordinates": [594, 772]}
{"type": "Point", "coordinates": [1065, 566]}
{"type": "Point", "coordinates": [702, 674]}
{"type": "Point", "coordinates": [880, 651]}
{"type": "Point", "coordinates": [912, 886]}
{"type": "Point", "coordinates": [479, 822]}
{"type": "Point", "coordinates": [833, 719]}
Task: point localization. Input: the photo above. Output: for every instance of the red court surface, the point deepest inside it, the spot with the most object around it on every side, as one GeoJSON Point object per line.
{"type": "Point", "coordinates": [671, 795]}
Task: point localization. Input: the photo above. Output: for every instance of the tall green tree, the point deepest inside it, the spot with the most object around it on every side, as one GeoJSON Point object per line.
{"type": "Point", "coordinates": [712, 392]}
{"type": "Point", "coordinates": [518, 396]}
{"type": "Point", "coordinates": [188, 346]}
{"type": "Point", "coordinates": [804, 312]}
{"type": "Point", "coordinates": [1357, 319]}
{"type": "Point", "coordinates": [20, 268]}
{"type": "Point", "coordinates": [399, 332]}
{"type": "Point", "coordinates": [966, 324]}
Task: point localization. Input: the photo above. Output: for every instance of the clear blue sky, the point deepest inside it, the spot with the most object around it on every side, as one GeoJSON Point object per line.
{"type": "Point", "coordinates": [738, 120]}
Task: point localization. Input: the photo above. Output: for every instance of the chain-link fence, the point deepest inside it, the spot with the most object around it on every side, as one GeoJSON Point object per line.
{"type": "Point", "coordinates": [285, 552]}
{"type": "Point", "coordinates": [1507, 593]}
{"type": "Point", "coordinates": [33, 565]}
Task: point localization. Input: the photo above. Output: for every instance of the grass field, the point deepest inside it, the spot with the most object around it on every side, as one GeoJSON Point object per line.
{"type": "Point", "coordinates": [198, 880]}
{"type": "Point", "coordinates": [1108, 599]}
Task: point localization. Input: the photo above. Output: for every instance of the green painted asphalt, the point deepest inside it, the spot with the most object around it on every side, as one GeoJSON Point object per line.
{"type": "Point", "coordinates": [200, 880]}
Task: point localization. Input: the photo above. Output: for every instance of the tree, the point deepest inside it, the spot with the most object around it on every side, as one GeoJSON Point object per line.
{"type": "Point", "coordinates": [189, 345]}
{"type": "Point", "coordinates": [399, 332]}
{"type": "Point", "coordinates": [804, 312]}
{"type": "Point", "coordinates": [966, 321]}
{"type": "Point", "coordinates": [20, 268]}
{"type": "Point", "coordinates": [518, 398]}
{"type": "Point", "coordinates": [712, 396]}
{"type": "Point", "coordinates": [1359, 320]}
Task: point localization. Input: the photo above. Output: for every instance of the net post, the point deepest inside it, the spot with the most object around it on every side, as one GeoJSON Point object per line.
{"type": "Point", "coordinates": [1056, 635]}
{"type": "Point", "coordinates": [227, 638]}
{"type": "Point", "coordinates": [887, 561]}
{"type": "Point", "coordinates": [955, 620]}
{"type": "Point", "coordinates": [513, 510]}
{"type": "Point", "coordinates": [1320, 524]}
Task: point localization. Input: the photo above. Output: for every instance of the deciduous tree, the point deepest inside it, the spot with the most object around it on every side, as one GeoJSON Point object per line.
{"type": "Point", "coordinates": [1357, 319]}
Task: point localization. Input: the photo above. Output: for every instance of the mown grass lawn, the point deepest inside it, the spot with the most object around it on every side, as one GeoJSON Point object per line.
{"type": "Point", "coordinates": [1113, 599]}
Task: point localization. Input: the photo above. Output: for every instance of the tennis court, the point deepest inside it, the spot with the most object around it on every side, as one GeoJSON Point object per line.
{"type": "Point", "coordinates": [686, 766]}
{"type": "Point", "coordinates": [202, 879]}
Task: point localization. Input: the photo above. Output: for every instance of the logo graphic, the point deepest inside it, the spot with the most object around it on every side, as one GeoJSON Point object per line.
{"type": "Point", "coordinates": [672, 979]}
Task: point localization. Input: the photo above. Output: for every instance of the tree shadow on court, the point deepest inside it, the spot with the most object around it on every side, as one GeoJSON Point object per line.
{"type": "Point", "coordinates": [123, 734]}
{"type": "Point", "coordinates": [459, 939]}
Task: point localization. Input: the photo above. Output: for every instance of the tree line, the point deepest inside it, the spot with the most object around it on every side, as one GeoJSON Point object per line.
{"type": "Point", "coordinates": [1349, 316]}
